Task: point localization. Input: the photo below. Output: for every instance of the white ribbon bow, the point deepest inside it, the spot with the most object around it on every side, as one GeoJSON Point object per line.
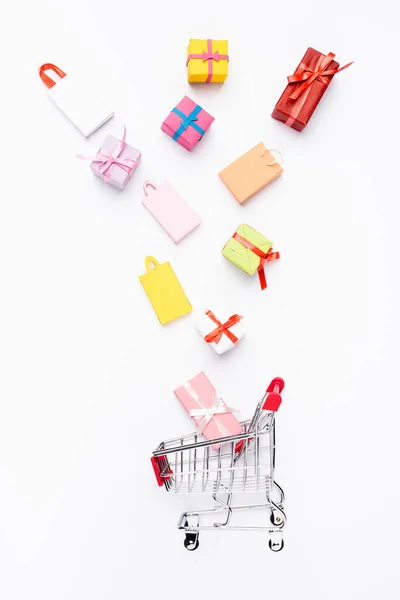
{"type": "Point", "coordinates": [205, 414]}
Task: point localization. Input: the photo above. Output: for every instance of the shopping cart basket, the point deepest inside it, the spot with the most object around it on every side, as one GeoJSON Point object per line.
{"type": "Point", "coordinates": [242, 463]}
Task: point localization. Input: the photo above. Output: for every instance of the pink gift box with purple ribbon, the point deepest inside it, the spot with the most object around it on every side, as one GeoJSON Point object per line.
{"type": "Point", "coordinates": [187, 123]}
{"type": "Point", "coordinates": [115, 162]}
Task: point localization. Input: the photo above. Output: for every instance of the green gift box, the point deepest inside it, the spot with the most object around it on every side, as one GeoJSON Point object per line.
{"type": "Point", "coordinates": [250, 251]}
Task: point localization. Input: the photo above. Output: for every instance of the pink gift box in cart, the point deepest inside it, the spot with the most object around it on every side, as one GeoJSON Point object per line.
{"type": "Point", "coordinates": [214, 419]}
{"type": "Point", "coordinates": [187, 123]}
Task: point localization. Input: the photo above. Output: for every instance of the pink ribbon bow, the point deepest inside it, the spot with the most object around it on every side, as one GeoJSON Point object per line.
{"type": "Point", "coordinates": [107, 159]}
{"type": "Point", "coordinates": [209, 56]}
{"type": "Point", "coordinates": [214, 56]}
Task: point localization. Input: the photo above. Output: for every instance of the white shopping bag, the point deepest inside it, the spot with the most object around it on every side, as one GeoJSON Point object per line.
{"type": "Point", "coordinates": [75, 98]}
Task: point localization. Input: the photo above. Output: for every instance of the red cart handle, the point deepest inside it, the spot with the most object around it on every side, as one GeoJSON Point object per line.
{"type": "Point", "coordinates": [155, 461]}
{"type": "Point", "coordinates": [277, 381]}
{"type": "Point", "coordinates": [45, 78]}
{"type": "Point", "coordinates": [274, 399]}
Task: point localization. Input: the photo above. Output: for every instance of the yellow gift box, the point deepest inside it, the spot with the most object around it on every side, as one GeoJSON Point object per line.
{"type": "Point", "coordinates": [207, 61]}
{"type": "Point", "coordinates": [164, 291]}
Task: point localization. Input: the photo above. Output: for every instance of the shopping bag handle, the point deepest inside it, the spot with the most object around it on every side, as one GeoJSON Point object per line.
{"type": "Point", "coordinates": [45, 78]}
{"type": "Point", "coordinates": [150, 260]}
{"type": "Point", "coordinates": [149, 184]}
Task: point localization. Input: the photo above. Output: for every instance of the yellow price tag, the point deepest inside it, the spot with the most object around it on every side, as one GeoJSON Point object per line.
{"type": "Point", "coordinates": [164, 291]}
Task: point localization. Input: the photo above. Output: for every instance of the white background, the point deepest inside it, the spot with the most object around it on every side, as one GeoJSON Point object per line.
{"type": "Point", "coordinates": [87, 372]}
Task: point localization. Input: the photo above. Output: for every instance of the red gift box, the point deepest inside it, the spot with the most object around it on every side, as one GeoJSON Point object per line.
{"type": "Point", "coordinates": [305, 88]}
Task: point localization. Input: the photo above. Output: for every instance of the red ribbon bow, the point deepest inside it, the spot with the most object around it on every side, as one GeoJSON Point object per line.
{"type": "Point", "coordinates": [222, 328]}
{"type": "Point", "coordinates": [264, 256]}
{"type": "Point", "coordinates": [309, 75]}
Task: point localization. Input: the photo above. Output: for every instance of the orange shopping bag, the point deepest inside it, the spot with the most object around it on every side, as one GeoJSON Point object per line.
{"type": "Point", "coordinates": [251, 172]}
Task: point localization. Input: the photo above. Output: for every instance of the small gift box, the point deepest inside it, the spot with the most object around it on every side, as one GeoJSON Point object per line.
{"type": "Point", "coordinates": [213, 418]}
{"type": "Point", "coordinates": [251, 172]}
{"type": "Point", "coordinates": [250, 251]}
{"type": "Point", "coordinates": [187, 123]}
{"type": "Point", "coordinates": [115, 162]}
{"type": "Point", "coordinates": [305, 88]}
{"type": "Point", "coordinates": [207, 61]}
{"type": "Point", "coordinates": [76, 99]}
{"type": "Point", "coordinates": [221, 331]}
{"type": "Point", "coordinates": [170, 210]}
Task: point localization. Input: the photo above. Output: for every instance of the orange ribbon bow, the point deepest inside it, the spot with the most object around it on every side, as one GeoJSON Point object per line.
{"type": "Point", "coordinates": [264, 256]}
{"type": "Point", "coordinates": [222, 328]}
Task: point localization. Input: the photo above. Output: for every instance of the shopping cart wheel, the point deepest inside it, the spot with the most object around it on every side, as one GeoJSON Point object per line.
{"type": "Point", "coordinates": [276, 546]}
{"type": "Point", "coordinates": [191, 541]}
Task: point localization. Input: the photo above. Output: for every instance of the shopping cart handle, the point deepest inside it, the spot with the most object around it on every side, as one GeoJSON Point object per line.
{"type": "Point", "coordinates": [155, 461]}
{"type": "Point", "coordinates": [276, 385]}
{"type": "Point", "coordinates": [272, 402]}
{"type": "Point", "coordinates": [273, 399]}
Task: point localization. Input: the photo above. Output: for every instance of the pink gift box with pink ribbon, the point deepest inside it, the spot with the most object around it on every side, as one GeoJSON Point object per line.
{"type": "Point", "coordinates": [213, 418]}
{"type": "Point", "coordinates": [187, 123]}
{"type": "Point", "coordinates": [115, 162]}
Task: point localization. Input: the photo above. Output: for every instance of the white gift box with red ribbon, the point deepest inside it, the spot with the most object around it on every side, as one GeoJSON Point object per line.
{"type": "Point", "coordinates": [220, 330]}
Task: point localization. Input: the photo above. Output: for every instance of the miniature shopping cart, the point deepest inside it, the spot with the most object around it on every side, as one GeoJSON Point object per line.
{"type": "Point", "coordinates": [241, 463]}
